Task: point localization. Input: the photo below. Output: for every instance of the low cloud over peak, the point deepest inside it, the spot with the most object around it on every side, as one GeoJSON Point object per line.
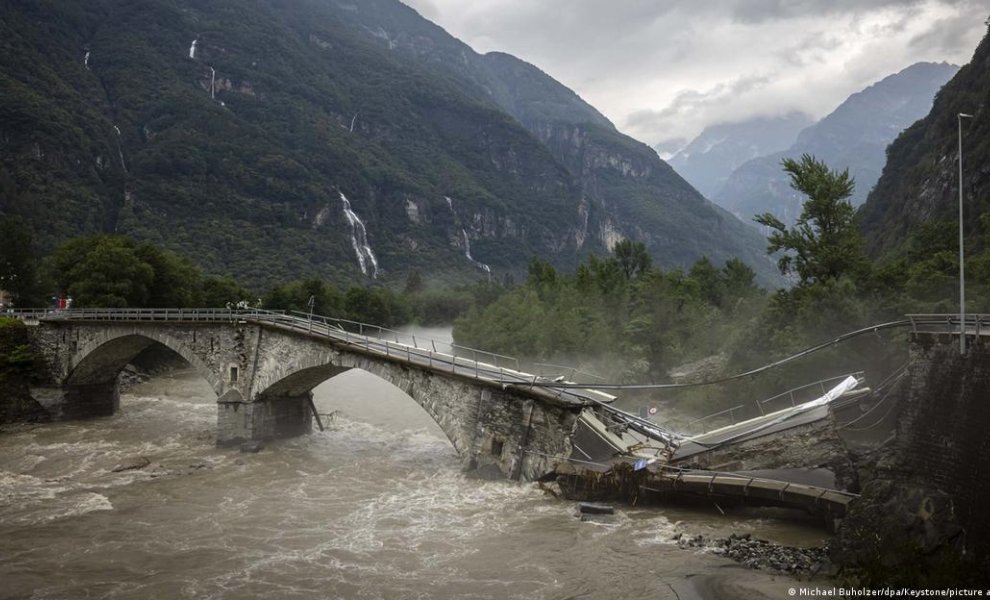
{"type": "Point", "coordinates": [662, 71]}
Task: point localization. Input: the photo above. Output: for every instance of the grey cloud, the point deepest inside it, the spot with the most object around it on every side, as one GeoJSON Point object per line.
{"type": "Point", "coordinates": [947, 35]}
{"type": "Point", "coordinates": [425, 8]}
{"type": "Point", "coordinates": [654, 68]}
{"type": "Point", "coordinates": [690, 101]}
{"type": "Point", "coordinates": [759, 11]}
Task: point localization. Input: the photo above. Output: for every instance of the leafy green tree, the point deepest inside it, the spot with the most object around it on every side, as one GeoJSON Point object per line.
{"type": "Point", "coordinates": [219, 292]}
{"type": "Point", "coordinates": [414, 283]}
{"type": "Point", "coordinates": [177, 282]}
{"type": "Point", "coordinates": [378, 306]}
{"type": "Point", "coordinates": [632, 257]}
{"type": "Point", "coordinates": [18, 266]}
{"type": "Point", "coordinates": [824, 244]}
{"type": "Point", "coordinates": [740, 279]}
{"type": "Point", "coordinates": [327, 299]}
{"type": "Point", "coordinates": [711, 285]}
{"type": "Point", "coordinates": [108, 274]}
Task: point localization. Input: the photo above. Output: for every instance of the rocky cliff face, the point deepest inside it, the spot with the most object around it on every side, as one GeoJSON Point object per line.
{"type": "Point", "coordinates": [920, 181]}
{"type": "Point", "coordinates": [854, 136]}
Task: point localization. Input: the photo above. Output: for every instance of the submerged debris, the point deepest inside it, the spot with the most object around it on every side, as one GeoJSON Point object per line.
{"type": "Point", "coordinates": [131, 464]}
{"type": "Point", "coordinates": [595, 508]}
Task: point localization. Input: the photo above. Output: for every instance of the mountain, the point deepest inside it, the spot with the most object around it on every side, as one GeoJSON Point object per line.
{"type": "Point", "coordinates": [920, 182]}
{"type": "Point", "coordinates": [288, 138]}
{"type": "Point", "coordinates": [720, 149]}
{"type": "Point", "coordinates": [854, 136]}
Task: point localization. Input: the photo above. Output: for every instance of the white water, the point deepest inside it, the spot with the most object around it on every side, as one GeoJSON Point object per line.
{"type": "Point", "coordinates": [213, 83]}
{"type": "Point", "coordinates": [86, 60]}
{"type": "Point", "coordinates": [374, 507]}
{"type": "Point", "coordinates": [359, 239]}
{"type": "Point", "coordinates": [192, 49]}
{"type": "Point", "coordinates": [467, 253]}
{"type": "Point", "coordinates": [120, 149]}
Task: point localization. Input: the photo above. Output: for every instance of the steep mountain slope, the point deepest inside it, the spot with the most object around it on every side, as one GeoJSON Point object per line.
{"type": "Point", "coordinates": [287, 138]}
{"type": "Point", "coordinates": [627, 191]}
{"type": "Point", "coordinates": [853, 136]}
{"type": "Point", "coordinates": [920, 182]}
{"type": "Point", "coordinates": [720, 149]}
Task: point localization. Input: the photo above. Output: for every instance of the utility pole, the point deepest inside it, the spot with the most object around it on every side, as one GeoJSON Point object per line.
{"type": "Point", "coordinates": [962, 262]}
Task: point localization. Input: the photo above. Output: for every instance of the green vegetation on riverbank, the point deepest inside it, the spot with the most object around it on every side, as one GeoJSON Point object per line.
{"type": "Point", "coordinates": [617, 316]}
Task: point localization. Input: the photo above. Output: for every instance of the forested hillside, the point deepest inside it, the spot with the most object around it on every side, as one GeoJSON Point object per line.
{"type": "Point", "coordinates": [915, 202]}
{"type": "Point", "coordinates": [283, 139]}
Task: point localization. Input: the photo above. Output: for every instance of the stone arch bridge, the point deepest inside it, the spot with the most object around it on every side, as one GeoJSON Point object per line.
{"type": "Point", "coordinates": [263, 366]}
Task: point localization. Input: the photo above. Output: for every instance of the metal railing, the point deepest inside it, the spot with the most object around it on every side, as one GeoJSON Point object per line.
{"type": "Point", "coordinates": [976, 324]}
{"type": "Point", "coordinates": [390, 343]}
{"type": "Point", "coordinates": [460, 360]}
{"type": "Point", "coordinates": [761, 404]}
{"type": "Point", "coordinates": [348, 327]}
{"type": "Point", "coordinates": [143, 314]}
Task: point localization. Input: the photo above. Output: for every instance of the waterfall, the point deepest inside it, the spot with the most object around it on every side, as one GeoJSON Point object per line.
{"type": "Point", "coordinates": [359, 239]}
{"type": "Point", "coordinates": [467, 242]}
{"type": "Point", "coordinates": [213, 83]}
{"type": "Point", "coordinates": [192, 49]}
{"type": "Point", "coordinates": [120, 150]}
{"type": "Point", "coordinates": [467, 253]}
{"type": "Point", "coordinates": [86, 60]}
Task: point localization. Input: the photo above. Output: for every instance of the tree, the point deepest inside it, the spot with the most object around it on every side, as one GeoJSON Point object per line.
{"type": "Point", "coordinates": [17, 261]}
{"type": "Point", "coordinates": [111, 275]}
{"type": "Point", "coordinates": [177, 282]}
{"type": "Point", "coordinates": [633, 258]}
{"type": "Point", "coordinates": [414, 283]}
{"type": "Point", "coordinates": [824, 244]}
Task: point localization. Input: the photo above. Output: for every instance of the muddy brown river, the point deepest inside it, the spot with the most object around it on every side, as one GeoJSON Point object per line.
{"type": "Point", "coordinates": [374, 507]}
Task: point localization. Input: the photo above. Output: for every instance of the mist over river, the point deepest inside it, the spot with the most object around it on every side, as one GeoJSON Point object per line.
{"type": "Point", "coordinates": [374, 507]}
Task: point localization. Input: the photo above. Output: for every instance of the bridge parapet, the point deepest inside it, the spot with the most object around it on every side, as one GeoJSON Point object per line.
{"type": "Point", "coordinates": [263, 366]}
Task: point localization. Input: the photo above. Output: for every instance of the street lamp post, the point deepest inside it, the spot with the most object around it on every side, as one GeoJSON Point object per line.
{"type": "Point", "coordinates": [962, 263]}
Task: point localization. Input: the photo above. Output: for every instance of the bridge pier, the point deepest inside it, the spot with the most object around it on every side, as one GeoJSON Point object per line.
{"type": "Point", "coordinates": [264, 419]}
{"type": "Point", "coordinates": [79, 401]}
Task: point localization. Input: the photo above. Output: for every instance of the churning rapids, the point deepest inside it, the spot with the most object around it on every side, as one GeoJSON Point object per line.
{"type": "Point", "coordinates": [375, 507]}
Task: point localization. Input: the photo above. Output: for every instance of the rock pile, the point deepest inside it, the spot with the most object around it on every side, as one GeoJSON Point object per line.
{"type": "Point", "coordinates": [760, 554]}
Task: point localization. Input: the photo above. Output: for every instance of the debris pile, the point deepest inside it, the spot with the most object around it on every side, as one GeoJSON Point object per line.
{"type": "Point", "coordinates": [760, 554]}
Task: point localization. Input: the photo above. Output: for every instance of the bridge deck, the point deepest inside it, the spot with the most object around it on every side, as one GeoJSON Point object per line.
{"type": "Point", "coordinates": [754, 489]}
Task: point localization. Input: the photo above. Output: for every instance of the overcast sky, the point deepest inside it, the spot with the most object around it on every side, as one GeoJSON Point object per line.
{"type": "Point", "coordinates": [664, 69]}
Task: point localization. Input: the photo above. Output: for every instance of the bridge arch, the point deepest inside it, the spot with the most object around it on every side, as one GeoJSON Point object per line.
{"type": "Point", "coordinates": [104, 356]}
{"type": "Point", "coordinates": [450, 403]}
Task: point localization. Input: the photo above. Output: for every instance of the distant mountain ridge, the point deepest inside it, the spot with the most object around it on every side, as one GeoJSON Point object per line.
{"type": "Point", "coordinates": [854, 136]}
{"type": "Point", "coordinates": [310, 138]}
{"type": "Point", "coordinates": [720, 149]}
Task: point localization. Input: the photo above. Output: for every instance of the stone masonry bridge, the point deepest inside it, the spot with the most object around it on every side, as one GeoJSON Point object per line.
{"type": "Point", "coordinates": [263, 366]}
